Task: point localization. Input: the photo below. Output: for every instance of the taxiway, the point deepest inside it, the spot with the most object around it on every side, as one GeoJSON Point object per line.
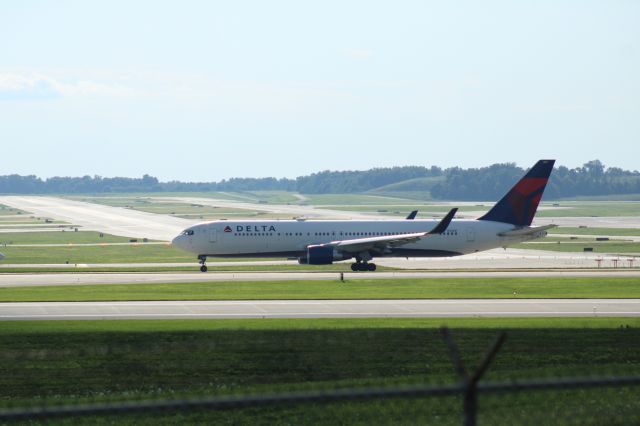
{"type": "Point", "coordinates": [490, 308]}
{"type": "Point", "coordinates": [50, 279]}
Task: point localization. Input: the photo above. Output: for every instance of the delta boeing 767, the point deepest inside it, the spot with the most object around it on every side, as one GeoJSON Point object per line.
{"type": "Point", "coordinates": [322, 242]}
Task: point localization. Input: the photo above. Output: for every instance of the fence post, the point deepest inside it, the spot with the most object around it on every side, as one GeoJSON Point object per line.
{"type": "Point", "coordinates": [470, 381]}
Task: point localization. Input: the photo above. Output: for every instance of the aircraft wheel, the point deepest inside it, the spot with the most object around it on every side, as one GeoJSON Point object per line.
{"type": "Point", "coordinates": [355, 267]}
{"type": "Point", "coordinates": [203, 268]}
{"type": "Point", "coordinates": [371, 267]}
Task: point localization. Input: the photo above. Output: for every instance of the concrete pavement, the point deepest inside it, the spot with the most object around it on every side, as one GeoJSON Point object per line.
{"type": "Point", "coordinates": [470, 308]}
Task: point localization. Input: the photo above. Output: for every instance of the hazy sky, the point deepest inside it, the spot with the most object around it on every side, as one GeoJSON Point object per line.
{"type": "Point", "coordinates": [207, 90]}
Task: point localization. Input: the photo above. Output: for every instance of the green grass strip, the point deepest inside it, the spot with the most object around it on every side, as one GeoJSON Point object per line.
{"type": "Point", "coordinates": [96, 254]}
{"type": "Point", "coordinates": [625, 232]}
{"type": "Point", "coordinates": [179, 325]}
{"type": "Point", "coordinates": [438, 288]}
{"type": "Point", "coordinates": [565, 245]}
{"type": "Point", "coordinates": [57, 362]}
{"type": "Point", "coordinates": [60, 237]}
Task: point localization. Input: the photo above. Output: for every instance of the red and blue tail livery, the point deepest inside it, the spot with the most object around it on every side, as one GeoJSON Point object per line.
{"type": "Point", "coordinates": [520, 204]}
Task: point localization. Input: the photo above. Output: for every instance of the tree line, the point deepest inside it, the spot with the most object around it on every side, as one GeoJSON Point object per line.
{"type": "Point", "coordinates": [490, 183]}
{"type": "Point", "coordinates": [455, 183]}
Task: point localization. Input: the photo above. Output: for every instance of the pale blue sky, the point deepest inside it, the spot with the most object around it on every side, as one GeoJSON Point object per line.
{"type": "Point", "coordinates": [204, 90]}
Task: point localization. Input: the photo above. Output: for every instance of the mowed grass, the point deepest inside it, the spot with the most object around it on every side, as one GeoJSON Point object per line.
{"type": "Point", "coordinates": [614, 232]}
{"type": "Point", "coordinates": [438, 288]}
{"type": "Point", "coordinates": [60, 237]}
{"type": "Point", "coordinates": [355, 199]}
{"type": "Point", "coordinates": [189, 209]}
{"type": "Point", "coordinates": [71, 361]}
{"type": "Point", "coordinates": [10, 211]}
{"type": "Point", "coordinates": [566, 245]}
{"type": "Point", "coordinates": [141, 253]}
{"type": "Point", "coordinates": [601, 208]}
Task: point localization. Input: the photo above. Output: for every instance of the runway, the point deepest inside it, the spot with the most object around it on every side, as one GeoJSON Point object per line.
{"type": "Point", "coordinates": [101, 218]}
{"type": "Point", "coordinates": [476, 308]}
{"type": "Point", "coordinates": [133, 223]}
{"type": "Point", "coordinates": [51, 279]}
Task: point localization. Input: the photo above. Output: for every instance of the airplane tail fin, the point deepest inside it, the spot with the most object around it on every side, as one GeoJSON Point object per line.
{"type": "Point", "coordinates": [520, 204]}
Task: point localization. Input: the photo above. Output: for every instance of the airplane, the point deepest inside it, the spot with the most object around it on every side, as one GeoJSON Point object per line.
{"type": "Point", "coordinates": [322, 242]}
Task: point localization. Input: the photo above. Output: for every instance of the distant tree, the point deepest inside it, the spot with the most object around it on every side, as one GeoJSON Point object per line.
{"type": "Point", "coordinates": [486, 183]}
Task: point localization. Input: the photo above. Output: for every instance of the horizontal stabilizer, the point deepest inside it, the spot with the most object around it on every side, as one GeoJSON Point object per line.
{"type": "Point", "coordinates": [525, 231]}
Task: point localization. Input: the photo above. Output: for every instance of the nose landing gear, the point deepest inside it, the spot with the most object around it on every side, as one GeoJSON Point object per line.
{"type": "Point", "coordinates": [202, 259]}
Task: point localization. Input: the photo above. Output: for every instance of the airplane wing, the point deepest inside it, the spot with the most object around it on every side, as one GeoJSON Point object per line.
{"type": "Point", "coordinates": [525, 231]}
{"type": "Point", "coordinates": [382, 243]}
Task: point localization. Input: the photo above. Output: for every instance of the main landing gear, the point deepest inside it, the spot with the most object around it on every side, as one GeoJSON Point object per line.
{"type": "Point", "coordinates": [202, 259]}
{"type": "Point", "coordinates": [363, 266]}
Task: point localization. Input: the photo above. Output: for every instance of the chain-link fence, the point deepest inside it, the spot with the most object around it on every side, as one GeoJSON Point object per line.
{"type": "Point", "coordinates": [595, 401]}
{"type": "Point", "coordinates": [396, 376]}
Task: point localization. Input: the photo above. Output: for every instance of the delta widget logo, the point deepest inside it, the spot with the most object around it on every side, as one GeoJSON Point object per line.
{"type": "Point", "coordinates": [227, 229]}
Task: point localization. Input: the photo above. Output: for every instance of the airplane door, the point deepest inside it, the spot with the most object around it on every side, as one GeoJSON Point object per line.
{"type": "Point", "coordinates": [471, 235]}
{"type": "Point", "coordinates": [213, 234]}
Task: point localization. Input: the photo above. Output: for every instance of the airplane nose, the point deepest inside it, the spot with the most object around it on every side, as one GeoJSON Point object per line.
{"type": "Point", "coordinates": [177, 241]}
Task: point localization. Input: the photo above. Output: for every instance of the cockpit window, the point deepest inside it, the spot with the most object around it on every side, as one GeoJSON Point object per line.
{"type": "Point", "coordinates": [188, 232]}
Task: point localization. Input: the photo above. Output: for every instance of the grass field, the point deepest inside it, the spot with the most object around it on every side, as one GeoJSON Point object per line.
{"type": "Point", "coordinates": [61, 237]}
{"type": "Point", "coordinates": [353, 199]}
{"type": "Point", "coordinates": [10, 211]}
{"type": "Point", "coordinates": [390, 209]}
{"type": "Point", "coordinates": [96, 254]}
{"type": "Point", "coordinates": [567, 245]}
{"type": "Point", "coordinates": [439, 288]}
{"type": "Point", "coordinates": [625, 232]}
{"type": "Point", "coordinates": [596, 208]}
{"type": "Point", "coordinates": [276, 197]}
{"type": "Point", "coordinates": [57, 362]}
{"type": "Point", "coordinates": [607, 198]}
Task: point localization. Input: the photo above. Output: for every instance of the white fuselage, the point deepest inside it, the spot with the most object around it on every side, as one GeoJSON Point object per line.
{"type": "Point", "coordinates": [290, 238]}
